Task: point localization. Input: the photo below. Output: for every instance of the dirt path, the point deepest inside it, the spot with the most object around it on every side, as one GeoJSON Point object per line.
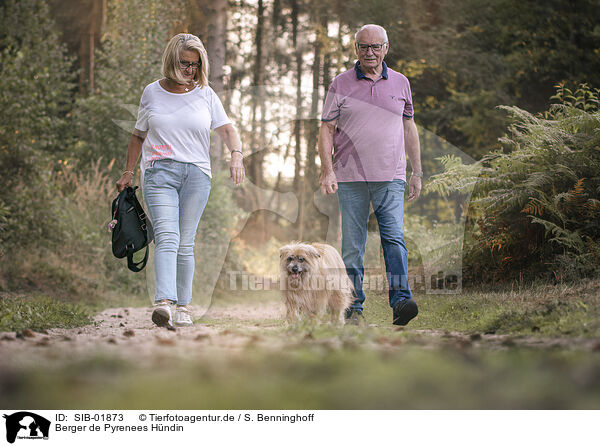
{"type": "Point", "coordinates": [129, 333]}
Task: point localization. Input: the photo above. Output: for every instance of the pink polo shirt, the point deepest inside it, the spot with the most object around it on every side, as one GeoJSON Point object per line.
{"type": "Point", "coordinates": [369, 138]}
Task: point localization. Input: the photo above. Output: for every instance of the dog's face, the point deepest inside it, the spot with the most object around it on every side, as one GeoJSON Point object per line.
{"type": "Point", "coordinates": [297, 261]}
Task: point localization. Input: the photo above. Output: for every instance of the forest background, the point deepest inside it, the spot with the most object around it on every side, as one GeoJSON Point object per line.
{"type": "Point", "coordinates": [505, 99]}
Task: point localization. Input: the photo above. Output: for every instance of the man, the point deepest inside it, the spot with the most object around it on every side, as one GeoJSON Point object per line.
{"type": "Point", "coordinates": [367, 123]}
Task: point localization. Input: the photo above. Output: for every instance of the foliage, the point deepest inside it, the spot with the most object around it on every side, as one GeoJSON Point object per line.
{"type": "Point", "coordinates": [84, 199]}
{"type": "Point", "coordinates": [30, 211]}
{"type": "Point", "coordinates": [473, 56]}
{"type": "Point", "coordinates": [4, 211]}
{"type": "Point", "coordinates": [35, 100]}
{"type": "Point", "coordinates": [74, 261]}
{"type": "Point", "coordinates": [36, 96]}
{"type": "Point", "coordinates": [53, 207]}
{"type": "Point", "coordinates": [131, 57]}
{"type": "Point", "coordinates": [17, 313]}
{"type": "Point", "coordinates": [433, 246]}
{"type": "Point", "coordinates": [584, 97]}
{"type": "Point", "coordinates": [462, 58]}
{"type": "Point", "coordinates": [536, 208]}
{"type": "Point", "coordinates": [263, 262]}
{"type": "Point", "coordinates": [84, 268]}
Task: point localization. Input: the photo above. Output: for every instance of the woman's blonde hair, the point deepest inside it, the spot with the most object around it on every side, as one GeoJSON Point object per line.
{"type": "Point", "coordinates": [171, 57]}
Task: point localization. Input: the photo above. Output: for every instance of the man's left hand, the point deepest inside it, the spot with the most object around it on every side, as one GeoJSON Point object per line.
{"type": "Point", "coordinates": [414, 188]}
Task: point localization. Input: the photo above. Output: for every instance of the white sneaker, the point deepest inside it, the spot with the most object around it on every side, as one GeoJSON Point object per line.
{"type": "Point", "coordinates": [161, 315]}
{"type": "Point", "coordinates": [183, 317]}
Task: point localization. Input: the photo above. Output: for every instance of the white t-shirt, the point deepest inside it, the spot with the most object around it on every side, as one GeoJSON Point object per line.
{"type": "Point", "coordinates": [179, 125]}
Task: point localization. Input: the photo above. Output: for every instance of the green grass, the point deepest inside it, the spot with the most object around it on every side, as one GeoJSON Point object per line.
{"type": "Point", "coordinates": [309, 376]}
{"type": "Point", "coordinates": [40, 313]}
{"type": "Point", "coordinates": [311, 366]}
{"type": "Point", "coordinates": [538, 309]}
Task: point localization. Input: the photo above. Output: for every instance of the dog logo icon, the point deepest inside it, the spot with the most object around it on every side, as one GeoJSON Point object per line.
{"type": "Point", "coordinates": [26, 425]}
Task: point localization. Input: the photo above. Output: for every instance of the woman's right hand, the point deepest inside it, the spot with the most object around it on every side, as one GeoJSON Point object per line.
{"type": "Point", "coordinates": [126, 180]}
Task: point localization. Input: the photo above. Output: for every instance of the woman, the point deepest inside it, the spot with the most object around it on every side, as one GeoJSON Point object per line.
{"type": "Point", "coordinates": [172, 133]}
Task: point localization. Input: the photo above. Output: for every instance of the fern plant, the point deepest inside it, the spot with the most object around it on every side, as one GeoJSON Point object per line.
{"type": "Point", "coordinates": [535, 208]}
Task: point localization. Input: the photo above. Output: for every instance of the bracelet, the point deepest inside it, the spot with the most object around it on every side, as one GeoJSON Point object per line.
{"type": "Point", "coordinates": [239, 151]}
{"type": "Point", "coordinates": [128, 171]}
{"type": "Point", "coordinates": [417, 174]}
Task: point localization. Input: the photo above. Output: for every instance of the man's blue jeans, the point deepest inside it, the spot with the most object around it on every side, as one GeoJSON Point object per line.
{"type": "Point", "coordinates": [176, 194]}
{"type": "Point", "coordinates": [387, 198]}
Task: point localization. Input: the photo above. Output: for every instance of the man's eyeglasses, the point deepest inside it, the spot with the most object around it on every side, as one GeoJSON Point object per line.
{"type": "Point", "coordinates": [185, 65]}
{"type": "Point", "coordinates": [376, 47]}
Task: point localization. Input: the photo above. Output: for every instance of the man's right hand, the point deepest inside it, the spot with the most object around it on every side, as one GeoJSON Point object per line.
{"type": "Point", "coordinates": [328, 183]}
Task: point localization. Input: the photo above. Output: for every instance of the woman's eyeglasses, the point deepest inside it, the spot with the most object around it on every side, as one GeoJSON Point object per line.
{"type": "Point", "coordinates": [185, 65]}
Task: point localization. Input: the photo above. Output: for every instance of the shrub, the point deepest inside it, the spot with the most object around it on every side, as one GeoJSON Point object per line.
{"type": "Point", "coordinates": [535, 208]}
{"type": "Point", "coordinates": [35, 97]}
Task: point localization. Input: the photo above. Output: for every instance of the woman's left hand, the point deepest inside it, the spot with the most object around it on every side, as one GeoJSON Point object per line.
{"type": "Point", "coordinates": [236, 169]}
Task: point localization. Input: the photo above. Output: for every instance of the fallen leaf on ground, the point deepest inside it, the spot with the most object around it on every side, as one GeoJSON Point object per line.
{"type": "Point", "coordinates": [26, 333]}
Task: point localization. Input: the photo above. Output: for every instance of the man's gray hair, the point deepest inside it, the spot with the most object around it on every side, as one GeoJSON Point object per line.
{"type": "Point", "coordinates": [380, 28]}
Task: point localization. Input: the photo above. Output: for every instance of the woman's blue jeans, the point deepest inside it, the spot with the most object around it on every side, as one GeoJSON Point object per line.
{"type": "Point", "coordinates": [387, 198]}
{"type": "Point", "coordinates": [176, 194]}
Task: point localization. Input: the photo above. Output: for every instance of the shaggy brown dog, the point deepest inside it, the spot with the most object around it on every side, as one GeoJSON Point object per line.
{"type": "Point", "coordinates": [314, 282]}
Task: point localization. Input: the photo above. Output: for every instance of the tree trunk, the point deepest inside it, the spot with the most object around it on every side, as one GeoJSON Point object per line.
{"type": "Point", "coordinates": [82, 24]}
{"type": "Point", "coordinates": [299, 185]}
{"type": "Point", "coordinates": [326, 60]}
{"type": "Point", "coordinates": [209, 22]}
{"type": "Point", "coordinates": [310, 171]}
{"type": "Point", "coordinates": [297, 122]}
{"type": "Point", "coordinates": [256, 160]}
{"type": "Point", "coordinates": [215, 40]}
{"type": "Point", "coordinates": [255, 166]}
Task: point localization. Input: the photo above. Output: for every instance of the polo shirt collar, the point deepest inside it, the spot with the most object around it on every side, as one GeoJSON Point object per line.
{"type": "Point", "coordinates": [360, 75]}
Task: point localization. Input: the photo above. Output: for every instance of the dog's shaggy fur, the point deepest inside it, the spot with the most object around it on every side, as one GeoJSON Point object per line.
{"type": "Point", "coordinates": [314, 282]}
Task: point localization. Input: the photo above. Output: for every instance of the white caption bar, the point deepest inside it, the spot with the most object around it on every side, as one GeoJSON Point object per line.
{"type": "Point", "coordinates": [290, 427]}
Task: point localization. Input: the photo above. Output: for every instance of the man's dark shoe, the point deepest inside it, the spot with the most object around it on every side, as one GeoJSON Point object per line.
{"type": "Point", "coordinates": [405, 311]}
{"type": "Point", "coordinates": [354, 317]}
